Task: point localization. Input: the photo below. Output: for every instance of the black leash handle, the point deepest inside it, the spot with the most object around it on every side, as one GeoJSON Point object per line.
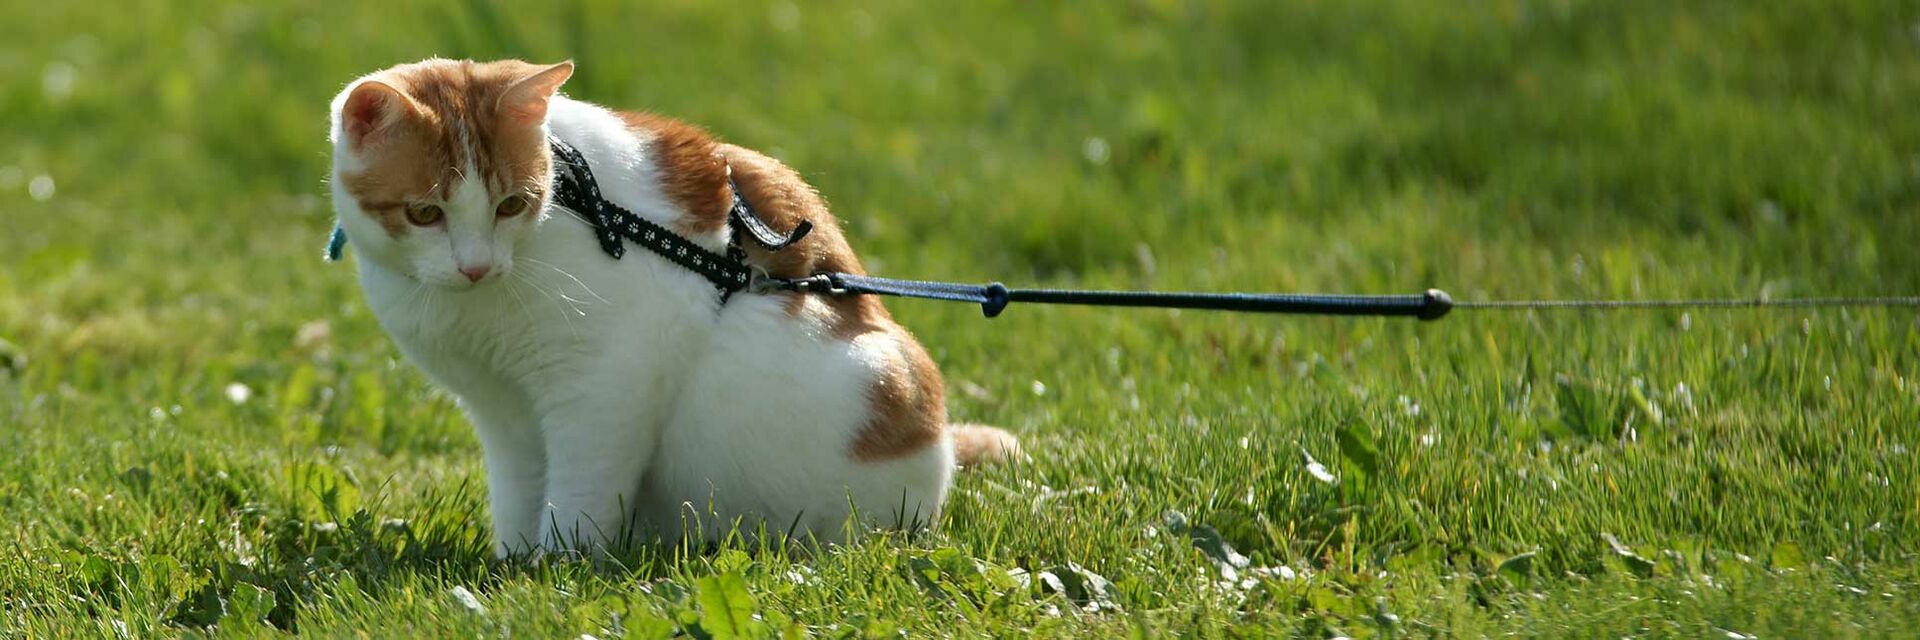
{"type": "Point", "coordinates": [993, 298]}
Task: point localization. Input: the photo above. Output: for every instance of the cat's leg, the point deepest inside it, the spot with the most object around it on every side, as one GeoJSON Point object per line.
{"type": "Point", "coordinates": [597, 451]}
{"type": "Point", "coordinates": [516, 469]}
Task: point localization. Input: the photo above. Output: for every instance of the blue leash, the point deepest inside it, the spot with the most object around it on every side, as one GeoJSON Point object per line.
{"type": "Point", "coordinates": [993, 298]}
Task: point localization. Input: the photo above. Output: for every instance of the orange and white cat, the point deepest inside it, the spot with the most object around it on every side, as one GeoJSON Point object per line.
{"type": "Point", "coordinates": [615, 396]}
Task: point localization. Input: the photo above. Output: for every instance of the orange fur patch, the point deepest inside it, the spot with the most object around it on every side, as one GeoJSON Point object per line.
{"type": "Point", "coordinates": [691, 171]}
{"type": "Point", "coordinates": [975, 445]}
{"type": "Point", "coordinates": [907, 405]}
{"type": "Point", "coordinates": [456, 122]}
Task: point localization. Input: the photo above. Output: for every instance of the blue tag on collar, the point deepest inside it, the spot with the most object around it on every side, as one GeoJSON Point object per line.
{"type": "Point", "coordinates": [336, 243]}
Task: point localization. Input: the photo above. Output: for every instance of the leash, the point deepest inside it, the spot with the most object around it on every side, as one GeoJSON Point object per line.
{"type": "Point", "coordinates": [993, 298]}
{"type": "Point", "coordinates": [575, 189]}
{"type": "Point", "coordinates": [1696, 303]}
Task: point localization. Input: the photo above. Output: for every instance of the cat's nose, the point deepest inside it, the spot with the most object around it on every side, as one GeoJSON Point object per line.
{"type": "Point", "coordinates": [474, 274]}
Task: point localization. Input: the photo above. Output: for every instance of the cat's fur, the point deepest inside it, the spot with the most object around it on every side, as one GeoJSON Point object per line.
{"type": "Point", "coordinates": [620, 395]}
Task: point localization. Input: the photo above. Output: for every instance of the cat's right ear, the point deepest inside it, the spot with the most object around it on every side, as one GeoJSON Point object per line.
{"type": "Point", "coordinates": [526, 101]}
{"type": "Point", "coordinates": [370, 110]}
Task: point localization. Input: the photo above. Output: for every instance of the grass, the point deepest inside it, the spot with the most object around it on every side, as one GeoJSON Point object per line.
{"type": "Point", "coordinates": [210, 434]}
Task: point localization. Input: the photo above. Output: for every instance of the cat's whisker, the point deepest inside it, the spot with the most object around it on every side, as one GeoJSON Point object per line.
{"type": "Point", "coordinates": [515, 278]}
{"type": "Point", "coordinates": [564, 316]}
{"type": "Point", "coordinates": [569, 276]}
{"type": "Point", "coordinates": [522, 302]}
{"type": "Point", "coordinates": [519, 276]}
{"type": "Point", "coordinates": [572, 302]}
{"type": "Point", "coordinates": [413, 293]}
{"type": "Point", "coordinates": [536, 285]}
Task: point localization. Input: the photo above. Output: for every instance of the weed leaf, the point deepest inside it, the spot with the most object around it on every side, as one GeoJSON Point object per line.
{"type": "Point", "coordinates": [1357, 447]}
{"type": "Point", "coordinates": [726, 608]}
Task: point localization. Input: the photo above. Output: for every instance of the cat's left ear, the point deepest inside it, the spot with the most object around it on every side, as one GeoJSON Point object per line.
{"type": "Point", "coordinates": [526, 100]}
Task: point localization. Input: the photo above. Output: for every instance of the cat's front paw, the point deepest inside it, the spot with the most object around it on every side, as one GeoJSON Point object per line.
{"type": "Point", "coordinates": [579, 538]}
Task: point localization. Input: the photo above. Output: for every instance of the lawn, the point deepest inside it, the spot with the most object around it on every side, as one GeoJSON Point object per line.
{"type": "Point", "coordinates": [210, 434]}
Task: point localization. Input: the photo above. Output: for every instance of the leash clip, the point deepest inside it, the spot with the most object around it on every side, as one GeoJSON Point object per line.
{"type": "Point", "coordinates": [820, 283]}
{"type": "Point", "coordinates": [763, 282]}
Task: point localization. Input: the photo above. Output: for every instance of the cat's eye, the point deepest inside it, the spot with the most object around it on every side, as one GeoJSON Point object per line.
{"type": "Point", "coordinates": [424, 215]}
{"type": "Point", "coordinates": [512, 206]}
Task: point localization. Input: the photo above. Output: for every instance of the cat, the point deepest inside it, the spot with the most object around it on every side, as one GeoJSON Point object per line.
{"type": "Point", "coordinates": [625, 397]}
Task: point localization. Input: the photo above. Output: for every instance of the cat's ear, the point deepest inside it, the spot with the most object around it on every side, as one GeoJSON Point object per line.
{"type": "Point", "coordinates": [372, 108]}
{"type": "Point", "coordinates": [525, 102]}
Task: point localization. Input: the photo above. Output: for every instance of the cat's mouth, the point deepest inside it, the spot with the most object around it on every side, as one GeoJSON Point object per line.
{"type": "Point", "coordinates": [462, 284]}
{"type": "Point", "coordinates": [469, 277]}
{"type": "Point", "coordinates": [458, 281]}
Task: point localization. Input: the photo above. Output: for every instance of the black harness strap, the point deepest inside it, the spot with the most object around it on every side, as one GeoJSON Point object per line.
{"type": "Point", "coordinates": [575, 189]}
{"type": "Point", "coordinates": [743, 220]}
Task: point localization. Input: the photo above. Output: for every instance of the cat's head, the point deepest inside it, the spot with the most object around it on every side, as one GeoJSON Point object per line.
{"type": "Point", "coordinates": [441, 167]}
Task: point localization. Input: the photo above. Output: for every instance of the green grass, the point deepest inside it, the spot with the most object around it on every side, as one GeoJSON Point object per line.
{"type": "Point", "coordinates": [1758, 470]}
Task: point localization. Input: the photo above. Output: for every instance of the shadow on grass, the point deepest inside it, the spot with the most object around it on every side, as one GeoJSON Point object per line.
{"type": "Point", "coordinates": [312, 541]}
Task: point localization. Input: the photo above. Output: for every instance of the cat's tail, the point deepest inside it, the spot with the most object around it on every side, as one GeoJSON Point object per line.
{"type": "Point", "coordinates": [975, 445]}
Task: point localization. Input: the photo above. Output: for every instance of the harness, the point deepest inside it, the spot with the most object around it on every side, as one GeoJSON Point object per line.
{"type": "Point", "coordinates": [575, 189]}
